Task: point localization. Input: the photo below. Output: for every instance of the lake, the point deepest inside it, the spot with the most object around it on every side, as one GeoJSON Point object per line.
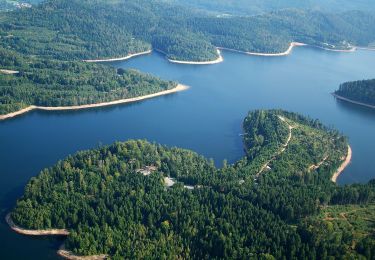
{"type": "Point", "coordinates": [206, 118]}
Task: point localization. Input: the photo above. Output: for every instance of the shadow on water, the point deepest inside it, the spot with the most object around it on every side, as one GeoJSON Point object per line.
{"type": "Point", "coordinates": [358, 110]}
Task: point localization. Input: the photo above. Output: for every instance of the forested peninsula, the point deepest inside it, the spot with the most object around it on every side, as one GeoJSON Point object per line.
{"type": "Point", "coordinates": [360, 92]}
{"type": "Point", "coordinates": [140, 200]}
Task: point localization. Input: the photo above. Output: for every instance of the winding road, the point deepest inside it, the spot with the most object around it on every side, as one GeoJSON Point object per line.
{"type": "Point", "coordinates": [283, 148]}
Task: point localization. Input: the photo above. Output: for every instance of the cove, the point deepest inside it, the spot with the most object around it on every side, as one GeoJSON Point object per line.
{"type": "Point", "coordinates": [207, 118]}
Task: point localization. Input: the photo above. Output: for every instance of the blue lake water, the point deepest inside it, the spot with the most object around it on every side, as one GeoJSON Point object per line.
{"type": "Point", "coordinates": [206, 118]}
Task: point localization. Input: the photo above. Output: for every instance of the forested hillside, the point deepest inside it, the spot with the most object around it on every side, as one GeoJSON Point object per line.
{"type": "Point", "coordinates": [49, 82]}
{"type": "Point", "coordinates": [246, 7]}
{"type": "Point", "coordinates": [275, 137]}
{"type": "Point", "coordinates": [5, 6]}
{"type": "Point", "coordinates": [360, 91]}
{"type": "Point", "coordinates": [47, 43]}
{"type": "Point", "coordinates": [95, 29]}
{"type": "Point", "coordinates": [114, 199]}
{"type": "Point", "coordinates": [43, 54]}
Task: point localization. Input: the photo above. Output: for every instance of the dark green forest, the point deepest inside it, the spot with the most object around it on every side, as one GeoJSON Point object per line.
{"type": "Point", "coordinates": [286, 212]}
{"type": "Point", "coordinates": [47, 43]}
{"type": "Point", "coordinates": [48, 82]}
{"type": "Point", "coordinates": [246, 7]}
{"type": "Point", "coordinates": [97, 29]}
{"type": "Point", "coordinates": [361, 91]}
{"type": "Point", "coordinates": [5, 6]}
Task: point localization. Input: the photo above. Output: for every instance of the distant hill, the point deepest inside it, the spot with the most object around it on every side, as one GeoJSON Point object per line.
{"type": "Point", "coordinates": [251, 7]}
{"type": "Point", "coordinates": [55, 34]}
{"type": "Point", "coordinates": [97, 29]}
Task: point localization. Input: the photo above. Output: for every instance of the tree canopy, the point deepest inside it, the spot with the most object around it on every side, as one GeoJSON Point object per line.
{"type": "Point", "coordinates": [361, 91]}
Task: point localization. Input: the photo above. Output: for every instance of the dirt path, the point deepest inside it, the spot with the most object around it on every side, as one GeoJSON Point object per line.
{"type": "Point", "coordinates": [314, 167]}
{"type": "Point", "coordinates": [283, 148]}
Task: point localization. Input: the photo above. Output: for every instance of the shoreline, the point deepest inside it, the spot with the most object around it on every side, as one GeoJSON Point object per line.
{"type": "Point", "coordinates": [352, 101]}
{"type": "Point", "coordinates": [285, 53]}
{"type": "Point", "coordinates": [51, 232]}
{"type": "Point", "coordinates": [178, 88]}
{"type": "Point", "coordinates": [218, 60]}
{"type": "Point", "coordinates": [71, 256]}
{"type": "Point", "coordinates": [353, 49]}
{"type": "Point", "coordinates": [121, 58]}
{"type": "Point", "coordinates": [289, 50]}
{"type": "Point", "coordinates": [36, 232]}
{"type": "Point", "coordinates": [343, 166]}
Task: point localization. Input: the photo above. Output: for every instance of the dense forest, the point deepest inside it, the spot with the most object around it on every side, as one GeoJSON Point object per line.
{"type": "Point", "coordinates": [96, 29]}
{"type": "Point", "coordinates": [360, 91]}
{"type": "Point", "coordinates": [47, 43]}
{"type": "Point", "coordinates": [51, 75]}
{"type": "Point", "coordinates": [288, 211]}
{"type": "Point", "coordinates": [44, 82]}
{"type": "Point", "coordinates": [5, 6]}
{"type": "Point", "coordinates": [246, 7]}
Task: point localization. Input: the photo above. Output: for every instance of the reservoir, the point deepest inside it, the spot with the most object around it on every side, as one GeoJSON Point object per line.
{"type": "Point", "coordinates": [206, 118]}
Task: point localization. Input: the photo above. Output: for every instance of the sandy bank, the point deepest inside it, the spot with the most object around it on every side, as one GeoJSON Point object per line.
{"type": "Point", "coordinates": [288, 51]}
{"type": "Point", "coordinates": [352, 101]}
{"type": "Point", "coordinates": [41, 232]}
{"type": "Point", "coordinates": [218, 60]}
{"type": "Point", "coordinates": [9, 72]}
{"type": "Point", "coordinates": [71, 256]}
{"type": "Point", "coordinates": [221, 59]}
{"type": "Point", "coordinates": [285, 53]}
{"type": "Point", "coordinates": [51, 232]}
{"type": "Point", "coordinates": [178, 88]}
{"type": "Point", "coordinates": [121, 58]}
{"type": "Point", "coordinates": [343, 165]}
